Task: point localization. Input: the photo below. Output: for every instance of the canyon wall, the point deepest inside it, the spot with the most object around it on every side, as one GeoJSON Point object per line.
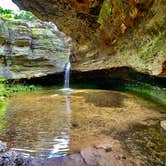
{"type": "Point", "coordinates": [31, 49]}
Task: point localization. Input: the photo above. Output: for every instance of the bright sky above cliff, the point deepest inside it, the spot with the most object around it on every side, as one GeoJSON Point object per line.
{"type": "Point", "coordinates": [8, 4]}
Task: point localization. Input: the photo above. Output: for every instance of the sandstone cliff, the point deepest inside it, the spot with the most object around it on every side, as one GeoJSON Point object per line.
{"type": "Point", "coordinates": [110, 33]}
{"type": "Point", "coordinates": [31, 49]}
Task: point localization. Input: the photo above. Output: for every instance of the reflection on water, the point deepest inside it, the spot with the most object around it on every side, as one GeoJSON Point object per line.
{"type": "Point", "coordinates": [61, 145]}
{"type": "Point", "coordinates": [39, 124]}
{"type": "Point", "coordinates": [53, 123]}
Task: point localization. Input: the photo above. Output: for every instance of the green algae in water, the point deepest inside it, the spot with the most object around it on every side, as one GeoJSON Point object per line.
{"type": "Point", "coordinates": [149, 92]}
{"type": "Point", "coordinates": [155, 94]}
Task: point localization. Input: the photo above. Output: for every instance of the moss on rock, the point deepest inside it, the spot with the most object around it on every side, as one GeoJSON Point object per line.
{"type": "Point", "coordinates": [32, 49]}
{"type": "Point", "coordinates": [105, 12]}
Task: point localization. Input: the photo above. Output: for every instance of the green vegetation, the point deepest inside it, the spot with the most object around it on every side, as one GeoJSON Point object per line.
{"type": "Point", "coordinates": [120, 1]}
{"type": "Point", "coordinates": [147, 91]}
{"type": "Point", "coordinates": [3, 102]}
{"type": "Point", "coordinates": [155, 93]}
{"type": "Point", "coordinates": [7, 90]}
{"type": "Point", "coordinates": [3, 106]}
{"type": "Point", "coordinates": [19, 88]}
{"type": "Point", "coordinates": [23, 15]}
{"type": "Point", "coordinates": [105, 12]}
{"type": "Point", "coordinates": [7, 13]}
{"type": "Point", "coordinates": [2, 86]}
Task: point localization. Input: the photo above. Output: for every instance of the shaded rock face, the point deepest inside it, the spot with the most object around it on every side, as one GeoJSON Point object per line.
{"type": "Point", "coordinates": [110, 33]}
{"type": "Point", "coordinates": [31, 49]}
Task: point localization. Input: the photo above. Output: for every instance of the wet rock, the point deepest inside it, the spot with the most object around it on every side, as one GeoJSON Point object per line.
{"type": "Point", "coordinates": [3, 146]}
{"type": "Point", "coordinates": [100, 157]}
{"type": "Point", "coordinates": [72, 160]}
{"type": "Point", "coordinates": [163, 124]}
{"type": "Point", "coordinates": [87, 157]}
{"type": "Point", "coordinates": [14, 159]}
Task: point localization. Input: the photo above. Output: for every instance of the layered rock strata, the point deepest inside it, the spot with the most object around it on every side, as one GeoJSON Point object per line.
{"type": "Point", "coordinates": [110, 33]}
{"type": "Point", "coordinates": [31, 49]}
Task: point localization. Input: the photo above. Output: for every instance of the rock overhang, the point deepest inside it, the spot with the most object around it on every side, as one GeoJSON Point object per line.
{"type": "Point", "coordinates": [114, 32]}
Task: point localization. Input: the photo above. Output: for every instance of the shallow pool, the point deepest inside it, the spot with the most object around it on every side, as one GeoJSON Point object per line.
{"type": "Point", "coordinates": [53, 123]}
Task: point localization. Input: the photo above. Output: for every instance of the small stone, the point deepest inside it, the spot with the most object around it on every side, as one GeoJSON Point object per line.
{"type": "Point", "coordinates": [163, 124]}
{"type": "Point", "coordinates": [3, 146]}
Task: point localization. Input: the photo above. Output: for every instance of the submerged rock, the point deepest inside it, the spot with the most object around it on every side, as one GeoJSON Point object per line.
{"type": "Point", "coordinates": [31, 49]}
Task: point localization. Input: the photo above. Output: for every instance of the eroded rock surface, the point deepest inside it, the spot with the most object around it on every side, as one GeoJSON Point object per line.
{"type": "Point", "coordinates": [110, 33]}
{"type": "Point", "coordinates": [31, 49]}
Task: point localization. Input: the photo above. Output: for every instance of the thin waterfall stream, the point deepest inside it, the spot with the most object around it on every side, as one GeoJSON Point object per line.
{"type": "Point", "coordinates": [67, 76]}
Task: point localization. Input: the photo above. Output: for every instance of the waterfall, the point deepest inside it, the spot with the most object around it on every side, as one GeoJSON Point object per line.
{"type": "Point", "coordinates": [67, 75]}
